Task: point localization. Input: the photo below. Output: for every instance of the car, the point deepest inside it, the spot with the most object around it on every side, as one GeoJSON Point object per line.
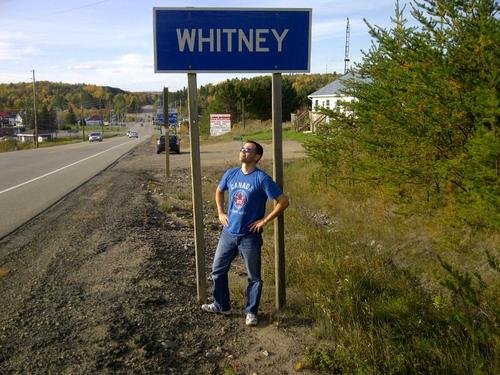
{"type": "Point", "coordinates": [174, 143]}
{"type": "Point", "coordinates": [95, 137]}
{"type": "Point", "coordinates": [132, 134]}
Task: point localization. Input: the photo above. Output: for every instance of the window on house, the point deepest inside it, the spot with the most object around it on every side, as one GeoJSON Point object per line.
{"type": "Point", "coordinates": [327, 103]}
{"type": "Point", "coordinates": [316, 103]}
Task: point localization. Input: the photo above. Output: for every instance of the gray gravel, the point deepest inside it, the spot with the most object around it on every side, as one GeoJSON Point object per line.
{"type": "Point", "coordinates": [104, 282]}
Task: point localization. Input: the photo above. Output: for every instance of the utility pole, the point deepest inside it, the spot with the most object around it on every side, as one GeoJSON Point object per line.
{"type": "Point", "coordinates": [167, 133]}
{"type": "Point", "coordinates": [34, 109]}
{"type": "Point", "coordinates": [81, 118]}
{"type": "Point", "coordinates": [101, 117]}
{"type": "Point", "coordinates": [243, 112]}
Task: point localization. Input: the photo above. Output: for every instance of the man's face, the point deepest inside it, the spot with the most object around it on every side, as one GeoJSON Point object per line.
{"type": "Point", "coordinates": [248, 154]}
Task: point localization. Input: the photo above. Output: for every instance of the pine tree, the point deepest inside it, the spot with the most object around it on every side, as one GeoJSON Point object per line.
{"type": "Point", "coordinates": [426, 118]}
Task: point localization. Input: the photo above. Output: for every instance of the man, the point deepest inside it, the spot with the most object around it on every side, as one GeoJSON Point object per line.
{"type": "Point", "coordinates": [249, 188]}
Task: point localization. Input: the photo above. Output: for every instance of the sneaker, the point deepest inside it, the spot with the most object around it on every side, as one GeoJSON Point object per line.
{"type": "Point", "coordinates": [251, 320]}
{"type": "Point", "coordinates": [213, 308]}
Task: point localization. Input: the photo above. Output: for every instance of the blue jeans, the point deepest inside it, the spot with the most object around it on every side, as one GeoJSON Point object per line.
{"type": "Point", "coordinates": [249, 246]}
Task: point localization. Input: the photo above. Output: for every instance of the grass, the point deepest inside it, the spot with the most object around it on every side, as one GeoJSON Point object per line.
{"type": "Point", "coordinates": [388, 291]}
{"type": "Point", "coordinates": [257, 131]}
{"type": "Point", "coordinates": [383, 288]}
{"type": "Point", "coordinates": [14, 145]}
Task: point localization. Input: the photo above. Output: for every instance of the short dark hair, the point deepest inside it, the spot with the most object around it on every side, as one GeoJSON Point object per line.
{"type": "Point", "coordinates": [258, 148]}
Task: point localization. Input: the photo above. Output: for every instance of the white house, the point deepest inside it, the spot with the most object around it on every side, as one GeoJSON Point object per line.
{"type": "Point", "coordinates": [16, 120]}
{"type": "Point", "coordinates": [330, 95]}
{"type": "Point", "coordinates": [94, 120]}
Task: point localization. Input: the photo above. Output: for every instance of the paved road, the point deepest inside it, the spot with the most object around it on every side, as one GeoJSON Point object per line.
{"type": "Point", "coordinates": [32, 180]}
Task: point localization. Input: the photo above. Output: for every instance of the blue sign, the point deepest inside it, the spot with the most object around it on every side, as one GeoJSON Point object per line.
{"type": "Point", "coordinates": [232, 40]}
{"type": "Point", "coordinates": [172, 118]}
{"type": "Point", "coordinates": [159, 117]}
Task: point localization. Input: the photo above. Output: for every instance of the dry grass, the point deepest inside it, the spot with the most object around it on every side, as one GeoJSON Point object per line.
{"type": "Point", "coordinates": [367, 273]}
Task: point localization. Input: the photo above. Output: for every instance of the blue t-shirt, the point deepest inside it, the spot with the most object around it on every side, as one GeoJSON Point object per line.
{"type": "Point", "coordinates": [248, 194]}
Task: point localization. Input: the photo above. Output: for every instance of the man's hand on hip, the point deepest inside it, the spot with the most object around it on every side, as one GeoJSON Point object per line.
{"type": "Point", "coordinates": [257, 226]}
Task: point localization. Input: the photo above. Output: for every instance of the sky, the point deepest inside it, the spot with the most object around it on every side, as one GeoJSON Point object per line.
{"type": "Point", "coordinates": [110, 42]}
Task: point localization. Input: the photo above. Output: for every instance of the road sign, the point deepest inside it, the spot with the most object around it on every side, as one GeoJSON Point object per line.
{"type": "Point", "coordinates": [159, 118]}
{"type": "Point", "coordinates": [232, 40]}
{"type": "Point", "coordinates": [172, 118]}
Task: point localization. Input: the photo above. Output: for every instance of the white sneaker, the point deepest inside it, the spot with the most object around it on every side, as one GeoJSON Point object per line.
{"type": "Point", "coordinates": [212, 308]}
{"type": "Point", "coordinates": [251, 320]}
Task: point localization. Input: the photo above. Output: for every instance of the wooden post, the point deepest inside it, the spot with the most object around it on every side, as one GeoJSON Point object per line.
{"type": "Point", "coordinates": [279, 223]}
{"type": "Point", "coordinates": [199, 241]}
{"type": "Point", "coordinates": [167, 133]}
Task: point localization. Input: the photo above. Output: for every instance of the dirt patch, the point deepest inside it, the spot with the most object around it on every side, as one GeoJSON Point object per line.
{"type": "Point", "coordinates": [104, 282]}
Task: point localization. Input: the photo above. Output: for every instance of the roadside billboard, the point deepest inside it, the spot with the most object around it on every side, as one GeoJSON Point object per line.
{"type": "Point", "coordinates": [220, 124]}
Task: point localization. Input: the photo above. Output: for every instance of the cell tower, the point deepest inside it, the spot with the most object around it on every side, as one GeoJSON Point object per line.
{"type": "Point", "coordinates": [346, 57]}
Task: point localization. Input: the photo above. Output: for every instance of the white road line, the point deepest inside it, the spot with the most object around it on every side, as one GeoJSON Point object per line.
{"type": "Point", "coordinates": [60, 169]}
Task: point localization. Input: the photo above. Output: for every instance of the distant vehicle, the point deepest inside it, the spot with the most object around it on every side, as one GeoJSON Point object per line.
{"type": "Point", "coordinates": [174, 143]}
{"type": "Point", "coordinates": [95, 137]}
{"type": "Point", "coordinates": [132, 134]}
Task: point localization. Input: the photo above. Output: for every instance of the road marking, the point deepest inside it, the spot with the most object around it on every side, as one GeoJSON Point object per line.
{"type": "Point", "coordinates": [62, 168]}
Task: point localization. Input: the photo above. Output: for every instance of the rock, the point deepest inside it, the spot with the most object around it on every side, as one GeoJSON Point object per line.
{"type": "Point", "coordinates": [266, 353]}
{"type": "Point", "coordinates": [168, 344]}
{"type": "Point", "coordinates": [211, 355]}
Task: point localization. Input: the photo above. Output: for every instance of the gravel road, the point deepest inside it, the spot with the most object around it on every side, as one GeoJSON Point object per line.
{"type": "Point", "coordinates": [104, 281]}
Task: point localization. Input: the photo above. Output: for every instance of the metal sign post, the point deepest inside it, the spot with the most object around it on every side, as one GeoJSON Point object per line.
{"type": "Point", "coordinates": [199, 240]}
{"type": "Point", "coordinates": [167, 135]}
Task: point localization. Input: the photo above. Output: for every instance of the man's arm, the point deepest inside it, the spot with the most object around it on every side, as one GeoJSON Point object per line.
{"type": "Point", "coordinates": [219, 201]}
{"type": "Point", "coordinates": [281, 204]}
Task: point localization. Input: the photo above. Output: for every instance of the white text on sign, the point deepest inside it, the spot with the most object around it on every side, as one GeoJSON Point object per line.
{"type": "Point", "coordinates": [254, 40]}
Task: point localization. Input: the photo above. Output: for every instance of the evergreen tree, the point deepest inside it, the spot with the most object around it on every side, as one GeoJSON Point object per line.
{"type": "Point", "coordinates": [425, 120]}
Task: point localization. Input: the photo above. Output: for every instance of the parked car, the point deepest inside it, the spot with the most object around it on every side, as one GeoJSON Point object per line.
{"type": "Point", "coordinates": [175, 144]}
{"type": "Point", "coordinates": [132, 134]}
{"type": "Point", "coordinates": [95, 137]}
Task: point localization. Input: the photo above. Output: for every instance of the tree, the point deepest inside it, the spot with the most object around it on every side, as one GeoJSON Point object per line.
{"type": "Point", "coordinates": [70, 117]}
{"type": "Point", "coordinates": [426, 118]}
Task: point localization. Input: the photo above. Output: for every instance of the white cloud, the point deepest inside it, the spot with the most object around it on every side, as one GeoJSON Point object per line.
{"type": "Point", "coordinates": [13, 46]}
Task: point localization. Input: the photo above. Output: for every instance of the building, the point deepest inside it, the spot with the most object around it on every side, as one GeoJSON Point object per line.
{"type": "Point", "coordinates": [94, 120]}
{"type": "Point", "coordinates": [331, 95]}
{"type": "Point", "coordinates": [328, 97]}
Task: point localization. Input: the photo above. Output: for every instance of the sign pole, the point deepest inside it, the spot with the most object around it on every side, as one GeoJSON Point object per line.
{"type": "Point", "coordinates": [199, 241]}
{"type": "Point", "coordinates": [167, 135]}
{"type": "Point", "coordinates": [279, 223]}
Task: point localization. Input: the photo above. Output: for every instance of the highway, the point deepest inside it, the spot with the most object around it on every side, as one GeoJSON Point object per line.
{"type": "Point", "coordinates": [33, 180]}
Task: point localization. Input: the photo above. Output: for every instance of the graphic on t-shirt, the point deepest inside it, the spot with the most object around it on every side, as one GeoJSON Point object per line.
{"type": "Point", "coordinates": [240, 198]}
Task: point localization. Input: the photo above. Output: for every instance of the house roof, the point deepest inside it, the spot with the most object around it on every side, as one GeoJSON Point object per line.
{"type": "Point", "coordinates": [336, 87]}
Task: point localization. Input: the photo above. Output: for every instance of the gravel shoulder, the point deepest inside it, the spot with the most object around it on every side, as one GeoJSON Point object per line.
{"type": "Point", "coordinates": [104, 282]}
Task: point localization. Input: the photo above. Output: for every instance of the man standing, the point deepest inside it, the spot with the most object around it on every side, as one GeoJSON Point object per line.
{"type": "Point", "coordinates": [249, 188]}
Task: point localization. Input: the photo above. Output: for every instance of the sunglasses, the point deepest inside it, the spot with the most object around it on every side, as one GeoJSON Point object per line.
{"type": "Point", "coordinates": [247, 150]}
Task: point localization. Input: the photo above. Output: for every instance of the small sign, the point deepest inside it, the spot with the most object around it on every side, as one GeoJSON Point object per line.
{"type": "Point", "coordinates": [159, 118]}
{"type": "Point", "coordinates": [172, 118]}
{"type": "Point", "coordinates": [220, 124]}
{"type": "Point", "coordinates": [195, 40]}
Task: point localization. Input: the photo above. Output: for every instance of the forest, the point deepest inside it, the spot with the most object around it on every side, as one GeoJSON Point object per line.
{"type": "Point", "coordinates": [65, 104]}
